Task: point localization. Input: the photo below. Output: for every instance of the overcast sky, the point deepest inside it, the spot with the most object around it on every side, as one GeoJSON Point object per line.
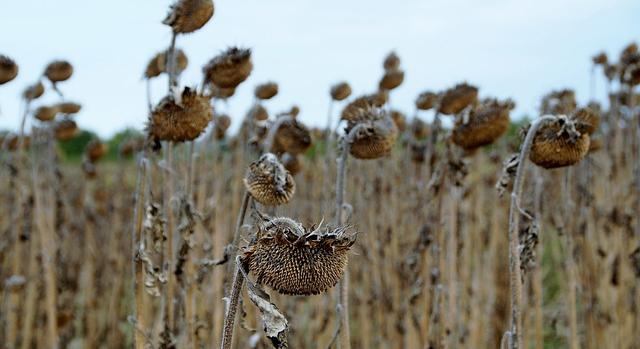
{"type": "Point", "coordinates": [518, 49]}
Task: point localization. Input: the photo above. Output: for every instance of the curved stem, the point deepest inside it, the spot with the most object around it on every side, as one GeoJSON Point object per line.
{"type": "Point", "coordinates": [515, 279]}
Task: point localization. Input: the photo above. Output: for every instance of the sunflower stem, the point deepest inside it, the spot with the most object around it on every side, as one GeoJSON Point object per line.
{"type": "Point", "coordinates": [230, 315]}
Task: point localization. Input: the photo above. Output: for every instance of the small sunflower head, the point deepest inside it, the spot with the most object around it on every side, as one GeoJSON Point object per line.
{"type": "Point", "coordinates": [392, 61]}
{"type": "Point", "coordinates": [65, 129]}
{"type": "Point", "coordinates": [8, 69]}
{"type": "Point", "coordinates": [258, 113]}
{"type": "Point", "coordinates": [187, 16]}
{"type": "Point", "coordinates": [46, 113]}
{"type": "Point", "coordinates": [455, 99]}
{"type": "Point", "coordinates": [230, 68]}
{"type": "Point", "coordinates": [600, 58]}
{"type": "Point", "coordinates": [391, 79]}
{"type": "Point", "coordinates": [292, 137]}
{"type": "Point", "coordinates": [294, 260]}
{"type": "Point", "coordinates": [426, 100]}
{"type": "Point", "coordinates": [340, 91]}
{"type": "Point", "coordinates": [34, 91]}
{"type": "Point", "coordinates": [158, 64]}
{"type": "Point", "coordinates": [374, 134]}
{"type": "Point", "coordinates": [95, 150]}
{"type": "Point", "coordinates": [561, 102]}
{"type": "Point", "coordinates": [68, 107]}
{"type": "Point", "coordinates": [221, 125]}
{"type": "Point", "coordinates": [268, 182]}
{"type": "Point", "coordinates": [58, 71]}
{"type": "Point", "coordinates": [267, 90]}
{"type": "Point", "coordinates": [559, 143]}
{"type": "Point", "coordinates": [180, 122]}
{"type": "Point", "coordinates": [482, 124]}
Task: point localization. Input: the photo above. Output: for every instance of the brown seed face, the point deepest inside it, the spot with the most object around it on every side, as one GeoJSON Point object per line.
{"type": "Point", "coordinates": [65, 129]}
{"type": "Point", "coordinates": [158, 64]}
{"type": "Point", "coordinates": [296, 261]}
{"type": "Point", "coordinates": [34, 91]}
{"type": "Point", "coordinates": [68, 107]}
{"type": "Point", "coordinates": [8, 69]}
{"type": "Point", "coordinates": [268, 181]}
{"type": "Point", "coordinates": [45, 113]}
{"type": "Point", "coordinates": [340, 91]}
{"type": "Point", "coordinates": [482, 125]}
{"type": "Point", "coordinates": [555, 145]}
{"type": "Point", "coordinates": [95, 150]}
{"type": "Point", "coordinates": [170, 121]}
{"type": "Point", "coordinates": [266, 91]}
{"type": "Point", "coordinates": [258, 113]}
{"type": "Point", "coordinates": [292, 137]}
{"type": "Point", "coordinates": [455, 99]}
{"type": "Point", "coordinates": [187, 16]}
{"type": "Point", "coordinates": [391, 62]}
{"type": "Point", "coordinates": [58, 71]}
{"type": "Point", "coordinates": [391, 79]}
{"type": "Point", "coordinates": [375, 134]}
{"type": "Point", "coordinates": [426, 100]}
{"type": "Point", "coordinates": [230, 68]}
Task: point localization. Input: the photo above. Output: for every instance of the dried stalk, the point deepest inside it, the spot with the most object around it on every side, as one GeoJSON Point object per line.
{"type": "Point", "coordinates": [137, 265]}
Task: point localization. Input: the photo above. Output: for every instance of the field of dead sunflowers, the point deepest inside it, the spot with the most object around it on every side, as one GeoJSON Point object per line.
{"type": "Point", "coordinates": [451, 226]}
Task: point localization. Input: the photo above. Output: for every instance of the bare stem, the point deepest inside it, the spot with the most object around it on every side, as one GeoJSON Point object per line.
{"type": "Point", "coordinates": [139, 199]}
{"type": "Point", "coordinates": [515, 278]}
{"type": "Point", "coordinates": [230, 315]}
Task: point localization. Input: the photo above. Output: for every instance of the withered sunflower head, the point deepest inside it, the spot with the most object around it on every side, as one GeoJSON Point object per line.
{"type": "Point", "coordinates": [68, 107]}
{"type": "Point", "coordinates": [340, 91]}
{"type": "Point", "coordinates": [561, 102]}
{"type": "Point", "coordinates": [268, 181]}
{"type": "Point", "coordinates": [628, 52]}
{"type": "Point", "coordinates": [455, 99]}
{"type": "Point", "coordinates": [230, 68]}
{"type": "Point", "coordinates": [158, 64]}
{"type": "Point", "coordinates": [392, 61]}
{"type": "Point", "coordinates": [391, 79]}
{"type": "Point", "coordinates": [559, 143]}
{"type": "Point", "coordinates": [295, 260]}
{"type": "Point", "coordinates": [180, 122]}
{"type": "Point", "coordinates": [95, 150]}
{"type": "Point", "coordinates": [187, 16]}
{"type": "Point", "coordinates": [631, 74]}
{"type": "Point", "coordinates": [8, 69]}
{"type": "Point", "coordinates": [65, 129]}
{"type": "Point", "coordinates": [46, 113]}
{"type": "Point", "coordinates": [351, 110]}
{"type": "Point", "coordinates": [221, 124]}
{"type": "Point", "coordinates": [482, 124]}
{"type": "Point", "coordinates": [34, 91]}
{"type": "Point", "coordinates": [600, 58]}
{"type": "Point", "coordinates": [426, 100]}
{"type": "Point", "coordinates": [58, 71]}
{"type": "Point", "coordinates": [266, 91]}
{"type": "Point", "coordinates": [292, 136]}
{"type": "Point", "coordinates": [258, 113]}
{"type": "Point", "coordinates": [292, 163]}
{"type": "Point", "coordinates": [373, 133]}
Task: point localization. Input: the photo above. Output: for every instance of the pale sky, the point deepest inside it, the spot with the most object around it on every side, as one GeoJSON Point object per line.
{"type": "Point", "coordinates": [518, 49]}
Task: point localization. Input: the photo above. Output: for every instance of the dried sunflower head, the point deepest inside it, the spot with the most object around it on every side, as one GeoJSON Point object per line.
{"type": "Point", "coordinates": [419, 128]}
{"type": "Point", "coordinates": [426, 100]}
{"type": "Point", "coordinates": [58, 71]}
{"type": "Point", "coordinates": [374, 135]}
{"type": "Point", "coordinates": [187, 16]}
{"type": "Point", "coordinates": [266, 91]}
{"type": "Point", "coordinates": [294, 260]}
{"type": "Point", "coordinates": [292, 137]}
{"type": "Point", "coordinates": [561, 102]}
{"type": "Point", "coordinates": [258, 113]}
{"type": "Point", "coordinates": [8, 69]}
{"type": "Point", "coordinates": [351, 110]}
{"type": "Point", "coordinates": [46, 113]}
{"type": "Point", "coordinates": [482, 124]}
{"type": "Point", "coordinates": [65, 129]}
{"type": "Point", "coordinates": [455, 99]}
{"type": "Point", "coordinates": [268, 181]}
{"type": "Point", "coordinates": [175, 122]}
{"type": "Point", "coordinates": [340, 91]}
{"type": "Point", "coordinates": [34, 91]}
{"type": "Point", "coordinates": [559, 143]}
{"type": "Point", "coordinates": [391, 79]}
{"type": "Point", "coordinates": [221, 124]}
{"type": "Point", "coordinates": [600, 58]}
{"type": "Point", "coordinates": [158, 64]}
{"type": "Point", "coordinates": [392, 61]}
{"type": "Point", "coordinates": [230, 68]}
{"type": "Point", "coordinates": [68, 107]}
{"type": "Point", "coordinates": [587, 120]}
{"type": "Point", "coordinates": [95, 150]}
